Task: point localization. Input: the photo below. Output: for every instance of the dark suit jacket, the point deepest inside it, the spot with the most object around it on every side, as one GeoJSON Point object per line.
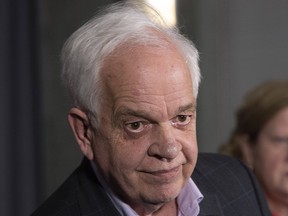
{"type": "Point", "coordinates": [228, 187]}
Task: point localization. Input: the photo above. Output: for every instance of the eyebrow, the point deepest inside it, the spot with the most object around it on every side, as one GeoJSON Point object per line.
{"type": "Point", "coordinates": [125, 111]}
{"type": "Point", "coordinates": [190, 106]}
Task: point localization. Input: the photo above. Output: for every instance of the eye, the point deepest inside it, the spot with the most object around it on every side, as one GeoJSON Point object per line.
{"type": "Point", "coordinates": [181, 120]}
{"type": "Point", "coordinates": [279, 139]}
{"type": "Point", "coordinates": [136, 127]}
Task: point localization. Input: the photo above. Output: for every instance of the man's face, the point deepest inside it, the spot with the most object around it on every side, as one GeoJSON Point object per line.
{"type": "Point", "coordinates": [145, 145]}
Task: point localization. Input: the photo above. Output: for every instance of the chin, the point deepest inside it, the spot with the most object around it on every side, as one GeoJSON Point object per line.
{"type": "Point", "coordinates": [165, 193]}
{"type": "Point", "coordinates": [160, 199]}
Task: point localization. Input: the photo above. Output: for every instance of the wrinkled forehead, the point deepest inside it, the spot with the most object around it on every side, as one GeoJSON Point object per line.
{"type": "Point", "coordinates": [146, 73]}
{"type": "Point", "coordinates": [137, 62]}
{"type": "Point", "coordinates": [150, 79]}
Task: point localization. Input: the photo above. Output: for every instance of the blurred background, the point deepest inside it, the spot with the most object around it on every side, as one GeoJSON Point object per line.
{"type": "Point", "coordinates": [241, 44]}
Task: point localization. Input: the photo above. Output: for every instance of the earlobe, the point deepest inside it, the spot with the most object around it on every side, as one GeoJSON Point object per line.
{"type": "Point", "coordinates": [79, 124]}
{"type": "Point", "coordinates": [247, 150]}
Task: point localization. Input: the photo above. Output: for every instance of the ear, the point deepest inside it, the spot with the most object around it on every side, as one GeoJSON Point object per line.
{"type": "Point", "coordinates": [79, 124]}
{"type": "Point", "coordinates": [247, 150]}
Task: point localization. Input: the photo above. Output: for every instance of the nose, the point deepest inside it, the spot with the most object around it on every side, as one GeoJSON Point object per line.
{"type": "Point", "coordinates": [164, 145]}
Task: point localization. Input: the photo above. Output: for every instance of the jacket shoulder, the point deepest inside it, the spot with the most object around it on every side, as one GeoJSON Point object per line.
{"type": "Point", "coordinates": [62, 202]}
{"type": "Point", "coordinates": [231, 182]}
{"type": "Point", "coordinates": [80, 194]}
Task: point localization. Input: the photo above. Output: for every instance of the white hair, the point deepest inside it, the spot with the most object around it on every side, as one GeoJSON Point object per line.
{"type": "Point", "coordinates": [84, 52]}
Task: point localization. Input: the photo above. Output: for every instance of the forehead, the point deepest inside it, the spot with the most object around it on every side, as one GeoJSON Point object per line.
{"type": "Point", "coordinates": [151, 79]}
{"type": "Point", "coordinates": [279, 121]}
{"type": "Point", "coordinates": [145, 66]}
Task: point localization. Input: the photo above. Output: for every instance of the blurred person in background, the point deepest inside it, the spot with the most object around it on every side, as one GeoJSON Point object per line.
{"type": "Point", "coordinates": [260, 139]}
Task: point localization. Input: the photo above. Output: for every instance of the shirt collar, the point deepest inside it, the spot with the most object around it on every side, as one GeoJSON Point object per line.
{"type": "Point", "coordinates": [189, 199]}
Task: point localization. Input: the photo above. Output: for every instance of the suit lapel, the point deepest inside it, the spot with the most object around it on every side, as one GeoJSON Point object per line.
{"type": "Point", "coordinates": [209, 206]}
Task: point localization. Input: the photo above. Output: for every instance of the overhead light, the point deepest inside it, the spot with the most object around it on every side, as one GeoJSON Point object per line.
{"type": "Point", "coordinates": [166, 8]}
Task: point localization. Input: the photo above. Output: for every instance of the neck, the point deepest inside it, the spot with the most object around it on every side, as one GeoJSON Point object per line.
{"type": "Point", "coordinates": [167, 209]}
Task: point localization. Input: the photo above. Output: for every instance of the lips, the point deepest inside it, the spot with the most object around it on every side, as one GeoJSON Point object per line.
{"type": "Point", "coordinates": [164, 175]}
{"type": "Point", "coordinates": [159, 172]}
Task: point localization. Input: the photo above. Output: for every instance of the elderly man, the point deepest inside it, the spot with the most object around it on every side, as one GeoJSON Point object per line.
{"type": "Point", "coordinates": [134, 85]}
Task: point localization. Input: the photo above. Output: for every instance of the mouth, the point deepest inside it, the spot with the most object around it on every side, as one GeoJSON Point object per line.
{"type": "Point", "coordinates": [164, 175]}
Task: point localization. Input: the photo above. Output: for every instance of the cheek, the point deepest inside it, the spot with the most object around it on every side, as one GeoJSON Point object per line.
{"type": "Point", "coordinates": [190, 152]}
{"type": "Point", "coordinates": [189, 144]}
{"type": "Point", "coordinates": [128, 155]}
{"type": "Point", "coordinates": [265, 154]}
{"type": "Point", "coordinates": [191, 155]}
{"type": "Point", "coordinates": [108, 149]}
{"type": "Point", "coordinates": [266, 163]}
